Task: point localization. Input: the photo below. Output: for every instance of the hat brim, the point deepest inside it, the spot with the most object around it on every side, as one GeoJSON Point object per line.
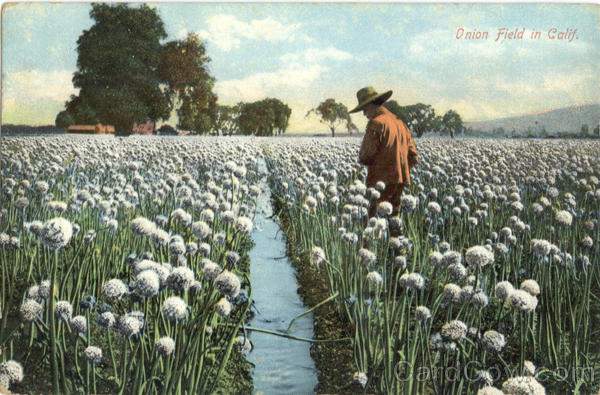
{"type": "Point", "coordinates": [377, 99]}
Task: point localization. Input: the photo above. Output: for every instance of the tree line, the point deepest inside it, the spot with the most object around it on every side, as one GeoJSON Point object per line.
{"type": "Point", "coordinates": [126, 76]}
{"type": "Point", "coordinates": [268, 117]}
{"type": "Point", "coordinates": [419, 118]}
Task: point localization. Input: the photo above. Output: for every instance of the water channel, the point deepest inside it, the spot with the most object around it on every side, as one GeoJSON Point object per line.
{"type": "Point", "coordinates": [282, 365]}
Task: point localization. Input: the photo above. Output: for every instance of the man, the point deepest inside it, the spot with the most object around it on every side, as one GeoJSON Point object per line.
{"type": "Point", "coordinates": [387, 149]}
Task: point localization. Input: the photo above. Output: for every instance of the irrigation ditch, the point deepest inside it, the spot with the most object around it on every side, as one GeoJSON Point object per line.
{"type": "Point", "coordinates": [301, 345]}
{"type": "Point", "coordinates": [281, 364]}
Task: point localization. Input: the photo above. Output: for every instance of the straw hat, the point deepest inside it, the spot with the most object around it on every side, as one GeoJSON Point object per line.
{"type": "Point", "coordinates": [369, 95]}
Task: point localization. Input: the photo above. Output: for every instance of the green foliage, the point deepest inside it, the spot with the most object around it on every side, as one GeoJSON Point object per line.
{"type": "Point", "coordinates": [585, 129]}
{"type": "Point", "coordinates": [420, 118]}
{"type": "Point", "coordinates": [529, 133]}
{"type": "Point", "coordinates": [63, 120]}
{"type": "Point", "coordinates": [183, 68]}
{"type": "Point", "coordinates": [80, 111]}
{"type": "Point", "coordinates": [226, 120]}
{"type": "Point", "coordinates": [268, 117]}
{"type": "Point", "coordinates": [452, 123]}
{"type": "Point", "coordinates": [333, 114]}
{"type": "Point", "coordinates": [117, 65]}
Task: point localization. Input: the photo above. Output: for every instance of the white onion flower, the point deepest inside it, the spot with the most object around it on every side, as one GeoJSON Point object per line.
{"type": "Point", "coordinates": [210, 269]}
{"type": "Point", "coordinates": [223, 307]}
{"type": "Point", "coordinates": [93, 355]}
{"type": "Point", "coordinates": [12, 370]}
{"type": "Point", "coordinates": [384, 209]}
{"type": "Point", "coordinates": [317, 256]}
{"type": "Point", "coordinates": [114, 289]}
{"type": "Point", "coordinates": [79, 324]}
{"type": "Point", "coordinates": [243, 224]}
{"type": "Point", "coordinates": [454, 330]}
{"type": "Point", "coordinates": [31, 311]}
{"type": "Point", "coordinates": [478, 257]}
{"type": "Point", "coordinates": [201, 230]}
{"type": "Point", "coordinates": [147, 283]}
{"type": "Point", "coordinates": [361, 379]}
{"type": "Point", "coordinates": [141, 226]}
{"type": "Point", "coordinates": [422, 313]}
{"type": "Point", "coordinates": [564, 218]}
{"type": "Point", "coordinates": [131, 325]}
{"type": "Point", "coordinates": [523, 385]}
{"type": "Point", "coordinates": [56, 233]}
{"type": "Point", "coordinates": [106, 320]}
{"type": "Point", "coordinates": [164, 346]}
{"type": "Point", "coordinates": [409, 202]}
{"type": "Point", "coordinates": [375, 279]}
{"type": "Point", "coordinates": [180, 279]}
{"type": "Point", "coordinates": [493, 341]}
{"type": "Point", "coordinates": [63, 310]}
{"type": "Point", "coordinates": [523, 301]}
{"type": "Point", "coordinates": [531, 286]}
{"type": "Point", "coordinates": [452, 292]}
{"type": "Point", "coordinates": [228, 284]}
{"type": "Point", "coordinates": [175, 309]}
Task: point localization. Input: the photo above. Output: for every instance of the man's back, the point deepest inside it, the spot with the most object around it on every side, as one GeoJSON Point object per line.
{"type": "Point", "coordinates": [388, 149]}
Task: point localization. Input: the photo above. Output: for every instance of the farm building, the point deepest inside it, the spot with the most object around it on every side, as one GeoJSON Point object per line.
{"type": "Point", "coordinates": [143, 127]}
{"type": "Point", "coordinates": [91, 129]}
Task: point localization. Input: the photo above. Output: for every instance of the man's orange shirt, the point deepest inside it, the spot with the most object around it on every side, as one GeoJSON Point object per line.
{"type": "Point", "coordinates": [388, 150]}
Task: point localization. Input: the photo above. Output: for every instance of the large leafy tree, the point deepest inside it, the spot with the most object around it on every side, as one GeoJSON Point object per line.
{"type": "Point", "coordinates": [183, 69]}
{"type": "Point", "coordinates": [266, 117]}
{"type": "Point", "coordinates": [420, 118]}
{"type": "Point", "coordinates": [452, 123]}
{"type": "Point", "coordinates": [117, 65]}
{"type": "Point", "coordinates": [280, 116]}
{"type": "Point", "coordinates": [333, 114]}
{"type": "Point", "coordinates": [226, 120]}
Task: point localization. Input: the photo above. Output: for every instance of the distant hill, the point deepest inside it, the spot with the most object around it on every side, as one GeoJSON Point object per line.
{"type": "Point", "coordinates": [12, 130]}
{"type": "Point", "coordinates": [566, 120]}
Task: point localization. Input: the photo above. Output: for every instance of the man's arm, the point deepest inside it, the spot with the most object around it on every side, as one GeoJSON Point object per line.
{"type": "Point", "coordinates": [413, 157]}
{"type": "Point", "coordinates": [370, 143]}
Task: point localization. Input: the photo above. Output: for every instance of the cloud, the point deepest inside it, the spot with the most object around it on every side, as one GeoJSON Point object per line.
{"type": "Point", "coordinates": [580, 85]}
{"type": "Point", "coordinates": [471, 109]}
{"type": "Point", "coordinates": [34, 97]}
{"type": "Point", "coordinates": [299, 71]}
{"type": "Point", "coordinates": [316, 55]}
{"type": "Point", "coordinates": [259, 85]}
{"type": "Point", "coordinates": [227, 31]}
{"type": "Point", "coordinates": [182, 33]}
{"type": "Point", "coordinates": [32, 85]}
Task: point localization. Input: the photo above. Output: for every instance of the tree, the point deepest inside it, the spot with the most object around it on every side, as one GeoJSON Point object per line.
{"type": "Point", "coordinates": [226, 120]}
{"type": "Point", "coordinates": [166, 130]}
{"type": "Point", "coordinates": [585, 130]}
{"type": "Point", "coordinates": [396, 109]}
{"type": "Point", "coordinates": [118, 68]}
{"type": "Point", "coordinates": [451, 122]}
{"type": "Point", "coordinates": [266, 117]}
{"type": "Point", "coordinates": [333, 115]}
{"type": "Point", "coordinates": [281, 115]}
{"type": "Point", "coordinates": [422, 119]}
{"type": "Point", "coordinates": [64, 120]}
{"type": "Point", "coordinates": [248, 118]}
{"type": "Point", "coordinates": [183, 68]}
{"type": "Point", "coordinates": [419, 117]}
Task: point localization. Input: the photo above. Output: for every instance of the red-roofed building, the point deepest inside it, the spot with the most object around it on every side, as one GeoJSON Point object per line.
{"type": "Point", "coordinates": [91, 129]}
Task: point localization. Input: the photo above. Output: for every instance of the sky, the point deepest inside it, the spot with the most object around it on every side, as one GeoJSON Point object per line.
{"type": "Point", "coordinates": [303, 53]}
